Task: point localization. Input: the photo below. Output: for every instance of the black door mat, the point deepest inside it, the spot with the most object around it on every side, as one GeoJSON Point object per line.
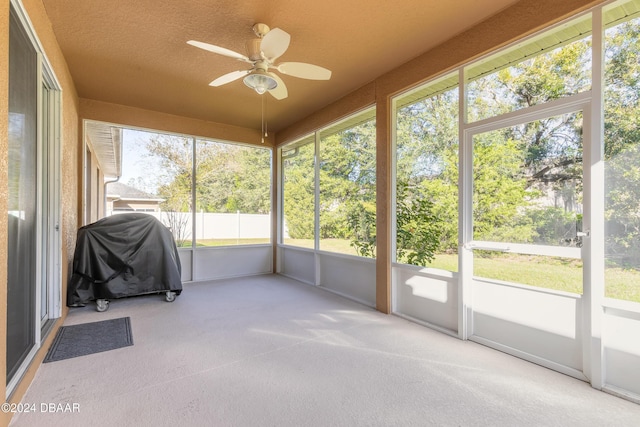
{"type": "Point", "coordinates": [88, 338]}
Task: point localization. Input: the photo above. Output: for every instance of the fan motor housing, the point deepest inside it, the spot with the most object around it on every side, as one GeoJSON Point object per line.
{"type": "Point", "coordinates": [254, 52]}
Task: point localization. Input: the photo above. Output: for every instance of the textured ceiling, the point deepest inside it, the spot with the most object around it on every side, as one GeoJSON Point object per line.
{"type": "Point", "coordinates": [135, 52]}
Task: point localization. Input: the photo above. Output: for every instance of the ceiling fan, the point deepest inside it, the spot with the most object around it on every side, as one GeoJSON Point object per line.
{"type": "Point", "coordinates": [262, 53]}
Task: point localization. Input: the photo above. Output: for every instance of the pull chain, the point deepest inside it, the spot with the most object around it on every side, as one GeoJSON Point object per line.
{"type": "Point", "coordinates": [262, 131]}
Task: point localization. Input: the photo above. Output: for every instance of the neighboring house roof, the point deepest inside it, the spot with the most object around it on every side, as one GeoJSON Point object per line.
{"type": "Point", "coordinates": [120, 191]}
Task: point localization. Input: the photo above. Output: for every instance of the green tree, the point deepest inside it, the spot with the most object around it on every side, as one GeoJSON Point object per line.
{"type": "Point", "coordinates": [229, 177]}
{"type": "Point", "coordinates": [427, 160]}
{"type": "Point", "coordinates": [361, 219]}
{"type": "Point", "coordinates": [232, 178]}
{"type": "Point", "coordinates": [299, 191]}
{"type": "Point", "coordinates": [418, 228]}
{"type": "Point", "coordinates": [622, 144]}
{"type": "Point", "coordinates": [551, 148]}
{"type": "Point", "coordinates": [347, 178]}
{"type": "Point", "coordinates": [499, 190]}
{"type": "Point", "coordinates": [173, 178]}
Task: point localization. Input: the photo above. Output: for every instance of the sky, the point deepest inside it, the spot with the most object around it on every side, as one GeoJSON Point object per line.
{"type": "Point", "coordinates": [135, 165]}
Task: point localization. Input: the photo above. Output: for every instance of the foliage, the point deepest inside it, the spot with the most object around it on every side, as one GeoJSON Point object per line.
{"type": "Point", "coordinates": [418, 228]}
{"type": "Point", "coordinates": [516, 170]}
{"type": "Point", "coordinates": [427, 159]}
{"type": "Point", "coordinates": [622, 208]}
{"type": "Point", "coordinates": [347, 181]}
{"type": "Point", "coordinates": [555, 226]}
{"type": "Point", "coordinates": [347, 184]}
{"type": "Point", "coordinates": [177, 223]}
{"type": "Point", "coordinates": [622, 144]}
{"type": "Point", "coordinates": [229, 177]}
{"type": "Point", "coordinates": [499, 190]}
{"type": "Point", "coordinates": [299, 192]}
{"type": "Point", "coordinates": [362, 221]}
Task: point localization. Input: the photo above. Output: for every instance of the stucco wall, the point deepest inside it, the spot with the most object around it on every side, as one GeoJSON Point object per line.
{"type": "Point", "coordinates": [69, 171]}
{"type": "Point", "coordinates": [138, 117]}
{"type": "Point", "coordinates": [94, 196]}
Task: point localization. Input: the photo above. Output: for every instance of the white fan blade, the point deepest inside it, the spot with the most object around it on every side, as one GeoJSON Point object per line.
{"type": "Point", "coordinates": [274, 44]}
{"type": "Point", "coordinates": [304, 71]}
{"type": "Point", "coordinates": [229, 77]}
{"type": "Point", "coordinates": [280, 92]}
{"type": "Point", "coordinates": [219, 50]}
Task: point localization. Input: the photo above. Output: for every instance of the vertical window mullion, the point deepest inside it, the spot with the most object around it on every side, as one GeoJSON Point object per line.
{"type": "Point", "coordinates": [593, 249]}
{"type": "Point", "coordinates": [316, 183]}
{"type": "Point", "coordinates": [193, 209]}
{"type": "Point", "coordinates": [465, 217]}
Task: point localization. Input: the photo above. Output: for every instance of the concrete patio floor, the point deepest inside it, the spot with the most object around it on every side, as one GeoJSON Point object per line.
{"type": "Point", "coordinates": [270, 351]}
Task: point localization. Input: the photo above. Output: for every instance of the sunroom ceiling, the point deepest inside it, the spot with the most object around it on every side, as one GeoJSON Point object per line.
{"type": "Point", "coordinates": [135, 53]}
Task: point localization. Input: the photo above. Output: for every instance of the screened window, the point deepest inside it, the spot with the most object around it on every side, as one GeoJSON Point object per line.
{"type": "Point", "coordinates": [231, 188]}
{"type": "Point", "coordinates": [527, 193]}
{"type": "Point", "coordinates": [553, 65]}
{"type": "Point", "coordinates": [622, 151]}
{"type": "Point", "coordinates": [527, 182]}
{"type": "Point", "coordinates": [347, 207]}
{"type": "Point", "coordinates": [233, 194]}
{"type": "Point", "coordinates": [157, 173]}
{"type": "Point", "coordinates": [298, 194]}
{"type": "Point", "coordinates": [427, 176]}
{"type": "Point", "coordinates": [329, 198]}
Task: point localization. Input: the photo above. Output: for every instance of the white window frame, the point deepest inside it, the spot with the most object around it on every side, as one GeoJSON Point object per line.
{"type": "Point", "coordinates": [317, 137]}
{"type": "Point", "coordinates": [571, 104]}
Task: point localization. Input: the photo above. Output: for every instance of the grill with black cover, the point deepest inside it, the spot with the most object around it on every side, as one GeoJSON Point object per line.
{"type": "Point", "coordinates": [124, 255]}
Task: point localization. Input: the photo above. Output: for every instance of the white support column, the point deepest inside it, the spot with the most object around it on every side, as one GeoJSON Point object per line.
{"type": "Point", "coordinates": [593, 219]}
{"type": "Point", "coordinates": [193, 209]}
{"type": "Point", "coordinates": [278, 208]}
{"type": "Point", "coordinates": [465, 218]}
{"type": "Point", "coordinates": [316, 209]}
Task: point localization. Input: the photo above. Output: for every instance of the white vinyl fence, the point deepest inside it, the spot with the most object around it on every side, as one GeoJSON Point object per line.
{"type": "Point", "coordinates": [215, 225]}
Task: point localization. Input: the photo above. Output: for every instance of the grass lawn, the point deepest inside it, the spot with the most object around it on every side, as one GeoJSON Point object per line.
{"type": "Point", "coordinates": [330, 245]}
{"type": "Point", "coordinates": [544, 272]}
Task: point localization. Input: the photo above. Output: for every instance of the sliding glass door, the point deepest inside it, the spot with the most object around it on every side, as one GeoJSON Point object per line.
{"type": "Point", "coordinates": [33, 199]}
{"type": "Point", "coordinates": [22, 197]}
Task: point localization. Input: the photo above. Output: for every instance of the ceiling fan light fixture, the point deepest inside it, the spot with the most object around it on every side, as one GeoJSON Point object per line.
{"type": "Point", "coordinates": [262, 53]}
{"type": "Point", "coordinates": [260, 81]}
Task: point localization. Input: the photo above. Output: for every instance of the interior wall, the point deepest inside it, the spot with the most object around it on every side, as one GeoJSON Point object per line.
{"type": "Point", "coordinates": [100, 190]}
{"type": "Point", "coordinates": [354, 101]}
{"type": "Point", "coordinates": [70, 163]}
{"type": "Point", "coordinates": [94, 203]}
{"type": "Point", "coordinates": [138, 117]}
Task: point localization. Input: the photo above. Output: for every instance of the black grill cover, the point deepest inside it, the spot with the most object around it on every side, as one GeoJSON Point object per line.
{"type": "Point", "coordinates": [123, 255]}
